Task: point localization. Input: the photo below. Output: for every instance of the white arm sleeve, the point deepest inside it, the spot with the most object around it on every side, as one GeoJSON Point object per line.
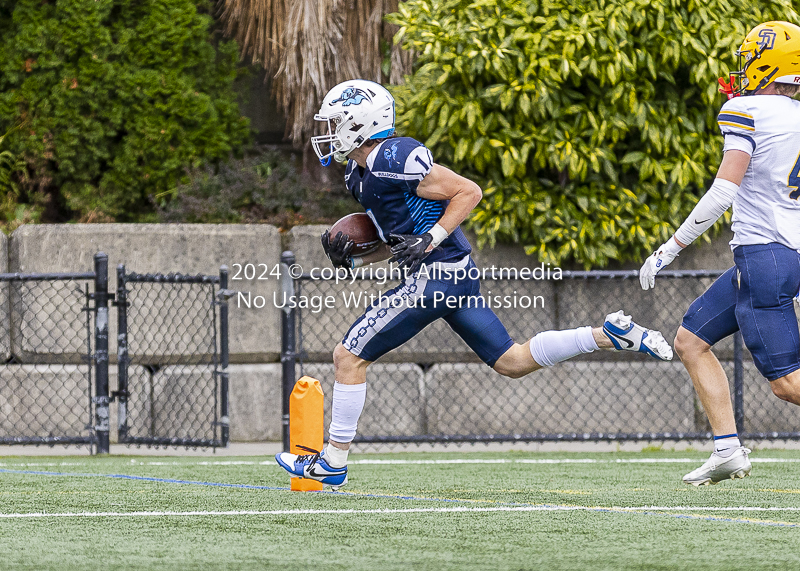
{"type": "Point", "coordinates": [713, 205]}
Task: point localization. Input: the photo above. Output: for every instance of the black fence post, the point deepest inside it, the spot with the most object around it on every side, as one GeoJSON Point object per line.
{"type": "Point", "coordinates": [738, 382]}
{"type": "Point", "coordinates": [223, 349]}
{"type": "Point", "coordinates": [287, 341]}
{"type": "Point", "coordinates": [101, 351]}
{"type": "Point", "coordinates": [122, 355]}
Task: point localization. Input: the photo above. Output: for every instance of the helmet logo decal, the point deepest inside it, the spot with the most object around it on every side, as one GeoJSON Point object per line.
{"type": "Point", "coordinates": [353, 96]}
{"type": "Point", "coordinates": [767, 39]}
{"type": "Point", "coordinates": [391, 154]}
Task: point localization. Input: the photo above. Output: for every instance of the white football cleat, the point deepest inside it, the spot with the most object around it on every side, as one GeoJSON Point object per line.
{"type": "Point", "coordinates": [626, 335]}
{"type": "Point", "coordinates": [717, 468]}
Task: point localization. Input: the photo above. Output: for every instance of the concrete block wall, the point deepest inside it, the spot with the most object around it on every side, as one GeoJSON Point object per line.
{"type": "Point", "coordinates": [455, 398]}
{"type": "Point", "coordinates": [59, 393]}
{"type": "Point", "coordinates": [570, 303]}
{"type": "Point", "coordinates": [162, 248]}
{"type": "Point", "coordinates": [402, 399]}
{"type": "Point", "coordinates": [395, 398]}
{"type": "Point", "coordinates": [570, 397]}
{"type": "Point", "coordinates": [5, 303]}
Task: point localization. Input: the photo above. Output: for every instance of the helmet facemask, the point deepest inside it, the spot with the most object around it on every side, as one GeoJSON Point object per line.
{"type": "Point", "coordinates": [330, 144]}
{"type": "Point", "coordinates": [747, 58]}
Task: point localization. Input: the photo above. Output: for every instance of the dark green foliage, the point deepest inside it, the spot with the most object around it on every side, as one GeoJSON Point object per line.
{"type": "Point", "coordinates": [590, 125]}
{"type": "Point", "coordinates": [13, 210]}
{"type": "Point", "coordinates": [113, 100]}
{"type": "Point", "coordinates": [266, 188]}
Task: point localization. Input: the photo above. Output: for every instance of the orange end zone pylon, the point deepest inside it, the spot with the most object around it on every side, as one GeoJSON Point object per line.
{"type": "Point", "coordinates": [305, 425]}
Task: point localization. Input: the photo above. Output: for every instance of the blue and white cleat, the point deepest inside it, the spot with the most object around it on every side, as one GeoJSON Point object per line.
{"type": "Point", "coordinates": [626, 335]}
{"type": "Point", "coordinates": [313, 466]}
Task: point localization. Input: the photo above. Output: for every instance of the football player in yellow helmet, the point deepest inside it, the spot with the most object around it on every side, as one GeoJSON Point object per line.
{"type": "Point", "coordinates": [769, 53]}
{"type": "Point", "coordinates": [760, 177]}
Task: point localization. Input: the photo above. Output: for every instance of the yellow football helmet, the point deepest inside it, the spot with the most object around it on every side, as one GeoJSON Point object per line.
{"type": "Point", "coordinates": [769, 53]}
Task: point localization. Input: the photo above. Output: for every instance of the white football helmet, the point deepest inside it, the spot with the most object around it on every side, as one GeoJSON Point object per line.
{"type": "Point", "coordinates": [355, 111]}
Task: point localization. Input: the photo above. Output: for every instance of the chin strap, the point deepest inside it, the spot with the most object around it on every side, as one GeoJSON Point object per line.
{"type": "Point", "coordinates": [326, 161]}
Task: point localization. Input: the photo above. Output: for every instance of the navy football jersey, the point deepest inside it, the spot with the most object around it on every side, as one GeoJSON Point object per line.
{"type": "Point", "coordinates": [387, 189]}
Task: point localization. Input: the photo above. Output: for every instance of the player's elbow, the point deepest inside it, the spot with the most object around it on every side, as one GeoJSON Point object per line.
{"type": "Point", "coordinates": [475, 193]}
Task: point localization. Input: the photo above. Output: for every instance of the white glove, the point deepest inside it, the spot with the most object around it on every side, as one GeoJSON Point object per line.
{"type": "Point", "coordinates": [657, 261]}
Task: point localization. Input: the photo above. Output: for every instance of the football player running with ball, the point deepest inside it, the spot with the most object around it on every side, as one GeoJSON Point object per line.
{"type": "Point", "coordinates": [417, 207]}
{"type": "Point", "coordinates": [760, 176]}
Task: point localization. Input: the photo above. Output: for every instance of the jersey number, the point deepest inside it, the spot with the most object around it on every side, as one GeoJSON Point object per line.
{"type": "Point", "coordinates": [794, 180]}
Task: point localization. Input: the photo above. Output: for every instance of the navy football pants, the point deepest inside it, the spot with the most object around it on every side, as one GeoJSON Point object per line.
{"type": "Point", "coordinates": [755, 296]}
{"type": "Point", "coordinates": [404, 311]}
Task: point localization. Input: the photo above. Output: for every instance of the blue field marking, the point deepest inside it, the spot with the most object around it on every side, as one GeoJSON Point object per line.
{"type": "Point", "coordinates": [226, 485]}
{"type": "Point", "coordinates": [141, 478]}
{"type": "Point", "coordinates": [554, 507]}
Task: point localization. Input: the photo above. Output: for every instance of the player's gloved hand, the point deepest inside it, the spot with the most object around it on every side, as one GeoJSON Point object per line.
{"type": "Point", "coordinates": [657, 261]}
{"type": "Point", "coordinates": [338, 250]}
{"type": "Point", "coordinates": [410, 250]}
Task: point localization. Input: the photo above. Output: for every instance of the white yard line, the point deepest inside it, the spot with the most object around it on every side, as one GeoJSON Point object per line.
{"type": "Point", "coordinates": [401, 462]}
{"type": "Point", "coordinates": [452, 509]}
{"type": "Point", "coordinates": [564, 461]}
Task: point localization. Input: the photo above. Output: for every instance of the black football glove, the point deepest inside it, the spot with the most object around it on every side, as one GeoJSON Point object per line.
{"type": "Point", "coordinates": [409, 250]}
{"type": "Point", "coordinates": [338, 250]}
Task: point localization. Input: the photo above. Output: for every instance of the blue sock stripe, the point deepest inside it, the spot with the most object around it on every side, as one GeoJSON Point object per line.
{"type": "Point", "coordinates": [734, 435]}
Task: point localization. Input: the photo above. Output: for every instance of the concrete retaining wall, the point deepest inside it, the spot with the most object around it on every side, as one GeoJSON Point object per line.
{"type": "Point", "coordinates": [5, 302]}
{"type": "Point", "coordinates": [395, 398]}
{"type": "Point", "coordinates": [59, 395]}
{"type": "Point", "coordinates": [255, 332]}
{"type": "Point", "coordinates": [763, 411]}
{"type": "Point", "coordinates": [402, 399]}
{"type": "Point", "coordinates": [163, 248]}
{"type": "Point", "coordinates": [570, 397]}
{"type": "Point", "coordinates": [255, 405]}
{"type": "Point", "coordinates": [569, 304]}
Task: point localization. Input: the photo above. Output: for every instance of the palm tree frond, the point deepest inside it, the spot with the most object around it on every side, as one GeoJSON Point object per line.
{"type": "Point", "coordinates": [308, 46]}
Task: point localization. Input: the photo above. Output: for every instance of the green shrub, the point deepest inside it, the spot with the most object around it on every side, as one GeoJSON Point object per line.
{"type": "Point", "coordinates": [590, 125]}
{"type": "Point", "coordinates": [114, 99]}
{"type": "Point", "coordinates": [15, 208]}
{"type": "Point", "coordinates": [266, 188]}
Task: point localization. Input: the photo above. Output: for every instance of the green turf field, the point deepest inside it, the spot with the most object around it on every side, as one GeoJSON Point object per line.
{"type": "Point", "coordinates": [461, 510]}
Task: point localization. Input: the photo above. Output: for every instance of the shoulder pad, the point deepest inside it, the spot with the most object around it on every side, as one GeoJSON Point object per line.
{"type": "Point", "coordinates": [401, 158]}
{"type": "Point", "coordinates": [736, 117]}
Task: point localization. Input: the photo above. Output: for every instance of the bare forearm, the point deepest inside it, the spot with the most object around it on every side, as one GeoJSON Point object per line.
{"type": "Point", "coordinates": [460, 206]}
{"type": "Point", "coordinates": [443, 184]}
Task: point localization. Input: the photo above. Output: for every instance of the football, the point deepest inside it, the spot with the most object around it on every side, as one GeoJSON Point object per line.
{"type": "Point", "coordinates": [361, 230]}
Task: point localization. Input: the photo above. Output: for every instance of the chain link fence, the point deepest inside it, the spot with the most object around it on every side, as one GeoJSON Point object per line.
{"type": "Point", "coordinates": [173, 359]}
{"type": "Point", "coordinates": [46, 351]}
{"type": "Point", "coordinates": [434, 389]}
{"type": "Point", "coordinates": [171, 352]}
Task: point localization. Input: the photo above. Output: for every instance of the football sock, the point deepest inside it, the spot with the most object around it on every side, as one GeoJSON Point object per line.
{"type": "Point", "coordinates": [726, 444]}
{"type": "Point", "coordinates": [348, 402]}
{"type": "Point", "coordinates": [336, 457]}
{"type": "Point", "coordinates": [551, 347]}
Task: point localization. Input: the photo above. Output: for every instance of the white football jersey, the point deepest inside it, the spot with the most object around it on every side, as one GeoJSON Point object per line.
{"type": "Point", "coordinates": [767, 206]}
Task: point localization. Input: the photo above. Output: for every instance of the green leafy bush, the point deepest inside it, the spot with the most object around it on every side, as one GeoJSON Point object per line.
{"type": "Point", "coordinates": [266, 188]}
{"type": "Point", "coordinates": [15, 208]}
{"type": "Point", "coordinates": [590, 125]}
{"type": "Point", "coordinates": [114, 99]}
